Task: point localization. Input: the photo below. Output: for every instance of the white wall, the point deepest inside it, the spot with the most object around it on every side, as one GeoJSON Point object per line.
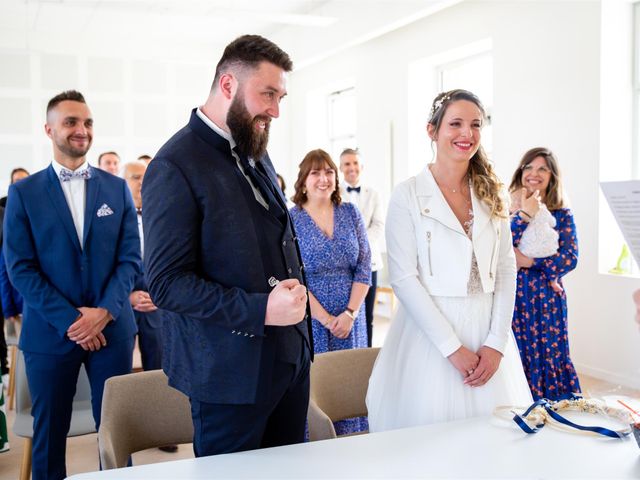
{"type": "Point", "coordinates": [136, 103]}
{"type": "Point", "coordinates": [547, 62]}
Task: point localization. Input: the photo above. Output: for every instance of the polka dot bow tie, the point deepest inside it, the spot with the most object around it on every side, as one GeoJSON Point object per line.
{"type": "Point", "coordinates": [67, 175]}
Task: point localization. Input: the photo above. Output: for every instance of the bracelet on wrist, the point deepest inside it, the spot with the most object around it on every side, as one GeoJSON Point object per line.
{"type": "Point", "coordinates": [525, 214]}
{"type": "Point", "coordinates": [350, 313]}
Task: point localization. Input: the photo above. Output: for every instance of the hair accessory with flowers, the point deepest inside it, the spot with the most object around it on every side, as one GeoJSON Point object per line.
{"type": "Point", "coordinates": [438, 103]}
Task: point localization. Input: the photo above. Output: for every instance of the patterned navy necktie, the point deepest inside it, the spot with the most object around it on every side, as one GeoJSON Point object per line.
{"type": "Point", "coordinates": [66, 175]}
{"type": "Point", "coordinates": [257, 173]}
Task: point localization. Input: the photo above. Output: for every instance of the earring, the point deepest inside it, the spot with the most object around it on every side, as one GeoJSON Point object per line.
{"type": "Point", "coordinates": [304, 191]}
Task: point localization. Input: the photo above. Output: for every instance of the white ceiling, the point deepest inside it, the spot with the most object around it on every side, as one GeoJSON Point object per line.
{"type": "Point", "coordinates": [197, 30]}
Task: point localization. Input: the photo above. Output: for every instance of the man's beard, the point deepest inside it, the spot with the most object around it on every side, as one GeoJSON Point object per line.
{"type": "Point", "coordinates": [73, 152]}
{"type": "Point", "coordinates": [251, 141]}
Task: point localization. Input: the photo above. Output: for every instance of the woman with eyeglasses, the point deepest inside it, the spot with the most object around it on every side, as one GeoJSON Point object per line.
{"type": "Point", "coordinates": [540, 315]}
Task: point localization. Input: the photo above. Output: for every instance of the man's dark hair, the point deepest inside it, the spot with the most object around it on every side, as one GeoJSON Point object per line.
{"type": "Point", "coordinates": [350, 151]}
{"type": "Point", "coordinates": [249, 51]}
{"type": "Point", "coordinates": [72, 95]}
{"type": "Point", "coordinates": [145, 157]}
{"type": "Point", "coordinates": [17, 170]}
{"type": "Point", "coordinates": [106, 153]}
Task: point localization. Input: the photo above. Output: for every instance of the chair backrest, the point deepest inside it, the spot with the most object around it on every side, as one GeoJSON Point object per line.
{"type": "Point", "coordinates": [82, 421]}
{"type": "Point", "coordinates": [23, 397]}
{"type": "Point", "coordinates": [339, 382]}
{"type": "Point", "coordinates": [141, 411]}
{"type": "Point", "coordinates": [12, 331]}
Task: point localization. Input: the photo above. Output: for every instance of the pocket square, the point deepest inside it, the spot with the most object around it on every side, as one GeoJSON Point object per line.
{"type": "Point", "coordinates": [104, 211]}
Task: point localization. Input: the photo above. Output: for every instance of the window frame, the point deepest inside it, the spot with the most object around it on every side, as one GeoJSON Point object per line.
{"type": "Point", "coordinates": [338, 142]}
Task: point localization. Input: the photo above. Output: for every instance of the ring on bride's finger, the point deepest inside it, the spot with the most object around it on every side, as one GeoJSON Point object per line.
{"type": "Point", "coordinates": [470, 371]}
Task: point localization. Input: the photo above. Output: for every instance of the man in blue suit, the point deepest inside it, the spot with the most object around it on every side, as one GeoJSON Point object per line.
{"type": "Point", "coordinates": [222, 258]}
{"type": "Point", "coordinates": [72, 251]}
{"type": "Point", "coordinates": [148, 317]}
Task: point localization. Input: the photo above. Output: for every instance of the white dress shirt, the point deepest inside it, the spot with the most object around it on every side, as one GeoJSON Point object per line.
{"type": "Point", "coordinates": [74, 193]}
{"type": "Point", "coordinates": [232, 144]}
{"type": "Point", "coordinates": [141, 233]}
{"type": "Point", "coordinates": [370, 207]}
{"type": "Point", "coordinates": [353, 196]}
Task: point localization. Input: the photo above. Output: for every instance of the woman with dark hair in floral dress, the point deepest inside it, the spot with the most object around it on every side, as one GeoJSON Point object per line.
{"type": "Point", "coordinates": [540, 315]}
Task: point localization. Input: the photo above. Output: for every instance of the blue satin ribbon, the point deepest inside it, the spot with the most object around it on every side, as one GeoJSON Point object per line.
{"type": "Point", "coordinates": [548, 406]}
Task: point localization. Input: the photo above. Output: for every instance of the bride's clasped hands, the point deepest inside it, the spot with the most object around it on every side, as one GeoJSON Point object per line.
{"type": "Point", "coordinates": [476, 368]}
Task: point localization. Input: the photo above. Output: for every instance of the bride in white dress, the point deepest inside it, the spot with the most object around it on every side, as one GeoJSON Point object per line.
{"type": "Point", "coordinates": [450, 353]}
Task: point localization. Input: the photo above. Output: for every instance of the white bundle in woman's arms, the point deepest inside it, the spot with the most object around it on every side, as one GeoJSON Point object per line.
{"type": "Point", "coordinates": [540, 239]}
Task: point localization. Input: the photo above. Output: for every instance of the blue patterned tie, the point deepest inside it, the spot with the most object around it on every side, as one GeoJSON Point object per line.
{"type": "Point", "coordinates": [67, 175]}
{"type": "Point", "coordinates": [259, 177]}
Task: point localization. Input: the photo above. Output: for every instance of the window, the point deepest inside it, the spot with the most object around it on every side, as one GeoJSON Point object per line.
{"type": "Point", "coordinates": [469, 67]}
{"type": "Point", "coordinates": [636, 91]}
{"type": "Point", "coordinates": [619, 122]}
{"type": "Point", "coordinates": [342, 121]}
{"type": "Point", "coordinates": [476, 75]}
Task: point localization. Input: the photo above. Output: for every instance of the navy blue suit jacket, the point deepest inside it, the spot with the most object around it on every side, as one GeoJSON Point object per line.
{"type": "Point", "coordinates": [54, 274]}
{"type": "Point", "coordinates": [210, 250]}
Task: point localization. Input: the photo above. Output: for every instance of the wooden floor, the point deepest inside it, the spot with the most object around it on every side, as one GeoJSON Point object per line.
{"type": "Point", "coordinates": [82, 452]}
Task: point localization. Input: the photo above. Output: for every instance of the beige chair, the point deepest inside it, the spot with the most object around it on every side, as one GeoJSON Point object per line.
{"type": "Point", "coordinates": [82, 422]}
{"type": "Point", "coordinates": [339, 382]}
{"type": "Point", "coordinates": [141, 411]}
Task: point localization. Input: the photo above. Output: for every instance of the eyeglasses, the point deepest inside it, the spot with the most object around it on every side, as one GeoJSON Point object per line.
{"type": "Point", "coordinates": [539, 170]}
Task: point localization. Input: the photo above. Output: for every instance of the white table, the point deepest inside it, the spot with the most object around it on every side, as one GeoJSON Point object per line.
{"type": "Point", "coordinates": [477, 448]}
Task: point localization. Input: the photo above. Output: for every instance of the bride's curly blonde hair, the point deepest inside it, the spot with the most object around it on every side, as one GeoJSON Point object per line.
{"type": "Point", "coordinates": [486, 184]}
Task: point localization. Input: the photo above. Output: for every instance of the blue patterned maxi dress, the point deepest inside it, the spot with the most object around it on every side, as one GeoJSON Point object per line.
{"type": "Point", "coordinates": [540, 315]}
{"type": "Point", "coordinates": [331, 266]}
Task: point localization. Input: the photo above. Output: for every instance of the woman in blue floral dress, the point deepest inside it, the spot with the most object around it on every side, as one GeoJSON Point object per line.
{"type": "Point", "coordinates": [540, 315]}
{"type": "Point", "coordinates": [337, 261]}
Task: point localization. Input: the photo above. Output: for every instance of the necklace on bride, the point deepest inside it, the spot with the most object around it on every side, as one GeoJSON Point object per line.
{"type": "Point", "coordinates": [460, 189]}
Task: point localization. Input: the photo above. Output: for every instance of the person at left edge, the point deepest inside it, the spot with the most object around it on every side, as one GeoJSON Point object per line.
{"type": "Point", "coordinates": [222, 258]}
{"type": "Point", "coordinates": [72, 251]}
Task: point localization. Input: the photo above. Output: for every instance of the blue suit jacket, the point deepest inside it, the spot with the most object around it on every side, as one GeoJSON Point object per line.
{"type": "Point", "coordinates": [11, 299]}
{"type": "Point", "coordinates": [210, 250]}
{"type": "Point", "coordinates": [54, 274]}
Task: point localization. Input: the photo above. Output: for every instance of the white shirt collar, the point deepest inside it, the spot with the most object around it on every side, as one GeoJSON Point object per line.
{"type": "Point", "coordinates": [58, 168]}
{"type": "Point", "coordinates": [216, 128]}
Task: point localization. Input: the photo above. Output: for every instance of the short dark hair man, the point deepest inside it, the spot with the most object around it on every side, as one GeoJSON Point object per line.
{"type": "Point", "coordinates": [146, 158]}
{"type": "Point", "coordinates": [17, 174]}
{"type": "Point", "coordinates": [222, 256]}
{"type": "Point", "coordinates": [109, 162]}
{"type": "Point", "coordinates": [148, 317]}
{"type": "Point", "coordinates": [72, 251]}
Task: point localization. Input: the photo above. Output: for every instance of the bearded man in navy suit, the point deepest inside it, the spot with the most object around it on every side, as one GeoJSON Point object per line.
{"type": "Point", "coordinates": [72, 251]}
{"type": "Point", "coordinates": [222, 257]}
